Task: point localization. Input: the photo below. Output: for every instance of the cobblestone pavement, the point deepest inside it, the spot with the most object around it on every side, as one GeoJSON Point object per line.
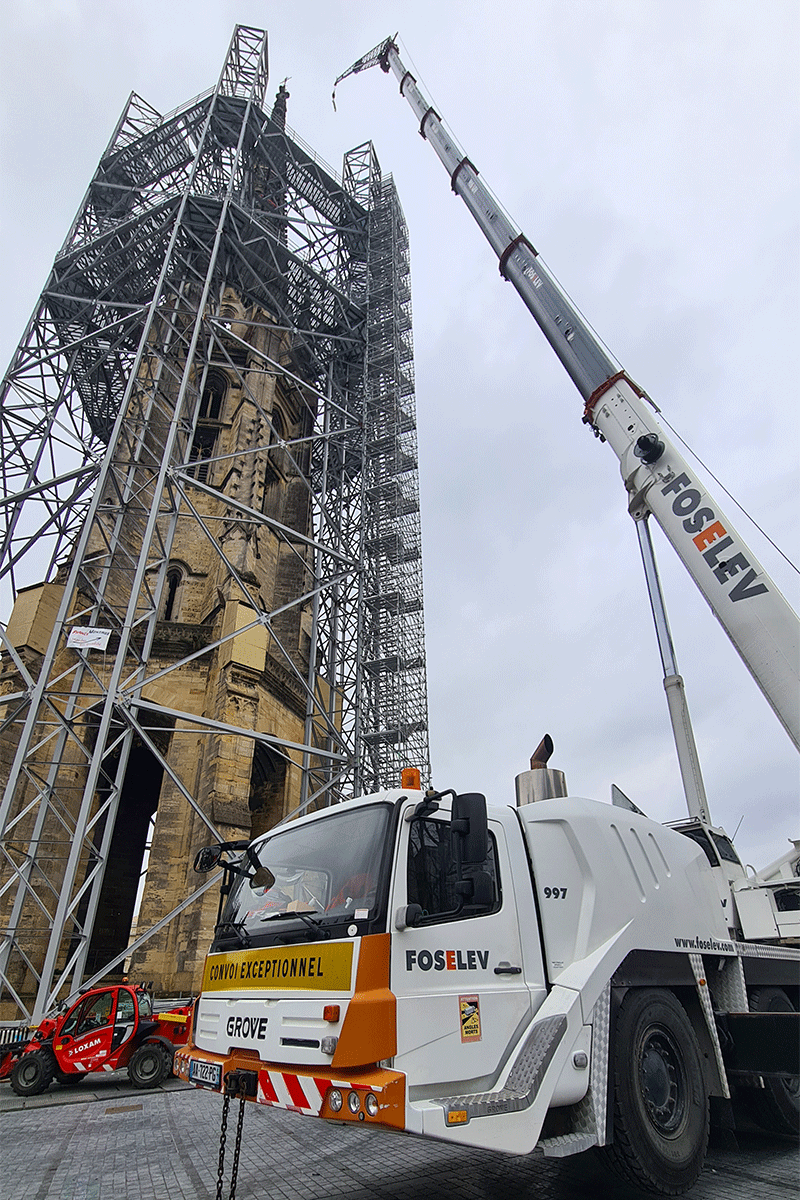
{"type": "Point", "coordinates": [118, 1142]}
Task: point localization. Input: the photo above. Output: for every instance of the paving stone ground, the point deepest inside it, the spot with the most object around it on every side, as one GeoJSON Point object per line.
{"type": "Point", "coordinates": [114, 1141]}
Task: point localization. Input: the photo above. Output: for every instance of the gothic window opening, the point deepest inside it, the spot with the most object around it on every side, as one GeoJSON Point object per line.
{"type": "Point", "coordinates": [267, 789]}
{"type": "Point", "coordinates": [278, 426]}
{"type": "Point", "coordinates": [173, 594]}
{"type": "Point", "coordinates": [129, 852]}
{"type": "Point", "coordinates": [213, 395]}
{"type": "Point", "coordinates": [208, 424]}
{"type": "Point", "coordinates": [202, 451]}
{"type": "Point", "coordinates": [279, 463]}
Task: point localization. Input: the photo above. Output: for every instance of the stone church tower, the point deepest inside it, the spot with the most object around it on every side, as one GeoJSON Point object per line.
{"type": "Point", "coordinates": [213, 564]}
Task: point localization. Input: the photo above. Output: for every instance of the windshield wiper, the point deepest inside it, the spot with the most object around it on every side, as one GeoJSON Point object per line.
{"type": "Point", "coordinates": [238, 929]}
{"type": "Point", "coordinates": [312, 922]}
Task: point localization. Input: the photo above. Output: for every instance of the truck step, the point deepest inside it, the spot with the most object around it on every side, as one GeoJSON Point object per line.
{"type": "Point", "coordinates": [523, 1081]}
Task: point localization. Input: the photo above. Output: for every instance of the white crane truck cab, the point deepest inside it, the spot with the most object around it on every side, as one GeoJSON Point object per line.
{"type": "Point", "coordinates": [552, 976]}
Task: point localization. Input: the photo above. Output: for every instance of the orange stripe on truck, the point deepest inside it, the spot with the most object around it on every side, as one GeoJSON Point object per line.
{"type": "Point", "coordinates": [369, 1030]}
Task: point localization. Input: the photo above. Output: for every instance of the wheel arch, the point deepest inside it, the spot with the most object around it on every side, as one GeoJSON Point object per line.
{"type": "Point", "coordinates": [670, 972]}
{"type": "Point", "coordinates": [713, 1072]}
{"type": "Point", "coordinates": [638, 1146]}
{"type": "Point", "coordinates": [160, 1041]}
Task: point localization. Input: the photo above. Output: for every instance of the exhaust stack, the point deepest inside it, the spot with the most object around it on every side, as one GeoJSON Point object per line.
{"type": "Point", "coordinates": [541, 782]}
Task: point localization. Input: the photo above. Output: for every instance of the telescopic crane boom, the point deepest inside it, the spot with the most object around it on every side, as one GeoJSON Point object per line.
{"type": "Point", "coordinates": [744, 599]}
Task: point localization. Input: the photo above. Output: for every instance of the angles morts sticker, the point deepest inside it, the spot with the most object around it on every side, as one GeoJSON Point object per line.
{"type": "Point", "coordinates": [469, 1011]}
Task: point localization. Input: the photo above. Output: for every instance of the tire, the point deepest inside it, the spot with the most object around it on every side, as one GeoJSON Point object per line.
{"type": "Point", "coordinates": [776, 1106]}
{"type": "Point", "coordinates": [33, 1073]}
{"type": "Point", "coordinates": [70, 1079]}
{"type": "Point", "coordinates": [661, 1110]}
{"type": "Point", "coordinates": [149, 1066]}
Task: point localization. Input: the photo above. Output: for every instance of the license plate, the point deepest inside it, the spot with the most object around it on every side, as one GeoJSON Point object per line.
{"type": "Point", "coordinates": [205, 1073]}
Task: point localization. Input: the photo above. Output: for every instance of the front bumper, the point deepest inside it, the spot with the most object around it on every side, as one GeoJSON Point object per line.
{"type": "Point", "coordinates": [333, 1095]}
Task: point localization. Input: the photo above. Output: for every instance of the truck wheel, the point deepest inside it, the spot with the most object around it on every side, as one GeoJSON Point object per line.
{"type": "Point", "coordinates": [149, 1065]}
{"type": "Point", "coordinates": [661, 1118]}
{"type": "Point", "coordinates": [776, 1106]}
{"type": "Point", "coordinates": [33, 1073]}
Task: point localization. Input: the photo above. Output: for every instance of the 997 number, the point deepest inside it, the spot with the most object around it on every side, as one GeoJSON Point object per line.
{"type": "Point", "coordinates": [551, 893]}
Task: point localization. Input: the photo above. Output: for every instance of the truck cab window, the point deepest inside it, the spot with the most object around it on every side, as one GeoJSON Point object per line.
{"type": "Point", "coordinates": [97, 1014]}
{"type": "Point", "coordinates": [125, 1008]}
{"type": "Point", "coordinates": [725, 849]}
{"type": "Point", "coordinates": [432, 874]}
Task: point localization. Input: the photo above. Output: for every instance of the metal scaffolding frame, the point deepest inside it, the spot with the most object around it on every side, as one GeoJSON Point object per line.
{"type": "Point", "coordinates": [102, 423]}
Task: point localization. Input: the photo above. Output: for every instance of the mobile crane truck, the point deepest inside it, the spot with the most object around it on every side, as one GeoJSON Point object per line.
{"type": "Point", "coordinates": [553, 975]}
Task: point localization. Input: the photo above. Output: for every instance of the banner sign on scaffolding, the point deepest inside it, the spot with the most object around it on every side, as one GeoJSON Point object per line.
{"type": "Point", "coordinates": [87, 637]}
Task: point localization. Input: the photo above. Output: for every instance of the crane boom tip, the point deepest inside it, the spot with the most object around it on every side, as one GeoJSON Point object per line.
{"type": "Point", "coordinates": [377, 55]}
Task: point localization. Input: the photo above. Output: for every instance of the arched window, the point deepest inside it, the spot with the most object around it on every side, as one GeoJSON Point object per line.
{"type": "Point", "coordinates": [267, 787]}
{"type": "Point", "coordinates": [202, 450]}
{"type": "Point", "coordinates": [278, 426]}
{"type": "Point", "coordinates": [208, 419]}
{"type": "Point", "coordinates": [213, 395]}
{"type": "Point", "coordinates": [173, 594]}
{"type": "Point", "coordinates": [277, 465]}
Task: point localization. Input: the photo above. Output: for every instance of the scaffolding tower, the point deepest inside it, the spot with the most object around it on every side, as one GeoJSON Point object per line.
{"type": "Point", "coordinates": [210, 241]}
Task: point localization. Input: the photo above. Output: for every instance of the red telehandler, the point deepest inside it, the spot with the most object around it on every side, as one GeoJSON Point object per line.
{"type": "Point", "coordinates": [105, 1029]}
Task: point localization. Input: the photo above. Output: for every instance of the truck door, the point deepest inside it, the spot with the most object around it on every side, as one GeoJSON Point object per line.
{"type": "Point", "coordinates": [464, 993]}
{"type": "Point", "coordinates": [124, 1020]}
{"type": "Point", "coordinates": [84, 1041]}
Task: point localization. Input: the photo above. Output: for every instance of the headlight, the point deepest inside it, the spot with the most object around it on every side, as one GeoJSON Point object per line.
{"type": "Point", "coordinates": [353, 1102]}
{"type": "Point", "coordinates": [335, 1100]}
{"type": "Point", "coordinates": [371, 1105]}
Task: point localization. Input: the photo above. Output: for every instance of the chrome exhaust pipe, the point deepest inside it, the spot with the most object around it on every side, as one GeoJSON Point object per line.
{"type": "Point", "coordinates": [540, 782]}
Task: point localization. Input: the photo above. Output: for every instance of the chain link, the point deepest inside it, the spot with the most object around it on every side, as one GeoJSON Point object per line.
{"type": "Point", "coordinates": [241, 1091]}
{"type": "Point", "coordinates": [238, 1142]}
{"type": "Point", "coordinates": [223, 1133]}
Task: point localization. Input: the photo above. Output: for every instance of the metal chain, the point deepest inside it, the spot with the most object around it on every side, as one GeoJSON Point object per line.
{"type": "Point", "coordinates": [241, 1091]}
{"type": "Point", "coordinates": [223, 1133]}
{"type": "Point", "coordinates": [238, 1143]}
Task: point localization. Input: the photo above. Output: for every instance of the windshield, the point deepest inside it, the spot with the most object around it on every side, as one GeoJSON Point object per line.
{"type": "Point", "coordinates": [329, 871]}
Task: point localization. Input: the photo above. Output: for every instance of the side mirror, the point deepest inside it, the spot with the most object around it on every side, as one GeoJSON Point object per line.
{"type": "Point", "coordinates": [206, 859]}
{"type": "Point", "coordinates": [262, 877]}
{"type": "Point", "coordinates": [470, 821]}
{"type": "Point", "coordinates": [476, 890]}
{"type": "Point", "coordinates": [482, 889]}
{"type": "Point", "coordinates": [409, 916]}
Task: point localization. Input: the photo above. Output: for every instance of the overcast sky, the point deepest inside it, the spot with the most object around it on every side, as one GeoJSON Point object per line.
{"type": "Point", "coordinates": [649, 150]}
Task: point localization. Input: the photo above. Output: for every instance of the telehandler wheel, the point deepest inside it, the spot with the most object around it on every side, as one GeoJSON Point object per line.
{"type": "Point", "coordinates": [661, 1116]}
{"type": "Point", "coordinates": [776, 1106]}
{"type": "Point", "coordinates": [149, 1065]}
{"type": "Point", "coordinates": [33, 1073]}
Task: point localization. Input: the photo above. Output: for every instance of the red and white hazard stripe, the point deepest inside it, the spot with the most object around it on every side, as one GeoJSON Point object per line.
{"type": "Point", "coordinates": [298, 1093]}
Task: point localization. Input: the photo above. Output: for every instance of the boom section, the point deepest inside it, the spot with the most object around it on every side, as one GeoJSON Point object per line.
{"type": "Point", "coordinates": [585, 359]}
{"type": "Point", "coordinates": [760, 623]}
